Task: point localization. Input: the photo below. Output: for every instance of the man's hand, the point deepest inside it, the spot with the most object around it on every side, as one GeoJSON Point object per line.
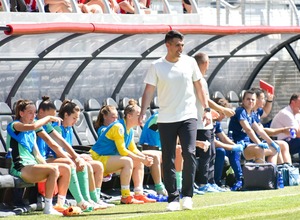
{"type": "Point", "coordinates": [207, 118]}
{"type": "Point", "coordinates": [142, 118]}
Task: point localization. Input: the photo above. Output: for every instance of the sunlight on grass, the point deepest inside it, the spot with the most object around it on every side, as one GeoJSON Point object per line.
{"type": "Point", "coordinates": [268, 204]}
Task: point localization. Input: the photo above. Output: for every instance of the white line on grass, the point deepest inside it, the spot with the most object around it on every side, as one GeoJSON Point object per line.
{"type": "Point", "coordinates": [247, 200]}
{"type": "Point", "coordinates": [227, 204]}
{"type": "Point", "coordinates": [263, 214]}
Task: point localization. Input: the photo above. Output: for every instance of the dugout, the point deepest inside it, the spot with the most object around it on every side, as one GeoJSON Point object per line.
{"type": "Point", "coordinates": [85, 57]}
{"type": "Point", "coordinates": [88, 57]}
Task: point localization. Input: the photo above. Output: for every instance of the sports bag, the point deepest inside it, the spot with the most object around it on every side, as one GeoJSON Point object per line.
{"type": "Point", "coordinates": [290, 174]}
{"type": "Point", "coordinates": [260, 176]}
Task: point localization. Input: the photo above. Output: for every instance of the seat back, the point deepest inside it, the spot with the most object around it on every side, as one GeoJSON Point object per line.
{"type": "Point", "coordinates": [233, 99]}
{"type": "Point", "coordinates": [111, 101]}
{"type": "Point", "coordinates": [91, 113]}
{"type": "Point", "coordinates": [37, 103]}
{"type": "Point", "coordinates": [5, 119]}
{"type": "Point", "coordinates": [122, 105]}
{"type": "Point", "coordinates": [57, 104]}
{"type": "Point", "coordinates": [81, 129]}
{"type": "Point", "coordinates": [242, 95]}
{"type": "Point", "coordinates": [217, 94]}
{"type": "Point", "coordinates": [154, 105]}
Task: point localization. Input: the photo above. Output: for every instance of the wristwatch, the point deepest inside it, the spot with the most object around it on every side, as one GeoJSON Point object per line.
{"type": "Point", "coordinates": [207, 109]}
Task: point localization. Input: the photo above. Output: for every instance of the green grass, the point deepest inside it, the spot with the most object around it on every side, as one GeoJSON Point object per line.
{"type": "Point", "coordinates": [267, 204]}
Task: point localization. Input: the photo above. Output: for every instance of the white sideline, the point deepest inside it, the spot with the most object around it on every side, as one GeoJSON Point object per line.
{"type": "Point", "coordinates": [228, 204]}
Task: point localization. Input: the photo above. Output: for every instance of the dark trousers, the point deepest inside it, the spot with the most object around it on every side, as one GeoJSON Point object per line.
{"type": "Point", "coordinates": [186, 131]}
{"type": "Point", "coordinates": [206, 160]}
{"type": "Point", "coordinates": [294, 145]}
{"type": "Point", "coordinates": [219, 164]}
{"type": "Point", "coordinates": [235, 162]}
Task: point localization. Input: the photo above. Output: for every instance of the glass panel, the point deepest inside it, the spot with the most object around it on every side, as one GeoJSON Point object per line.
{"type": "Point", "coordinates": [99, 79]}
{"type": "Point", "coordinates": [81, 46]}
{"type": "Point", "coordinates": [28, 46]}
{"type": "Point", "coordinates": [192, 41]}
{"type": "Point", "coordinates": [134, 85]}
{"type": "Point", "coordinates": [47, 78]}
{"type": "Point", "coordinates": [133, 46]}
{"type": "Point", "coordinates": [10, 72]}
{"type": "Point", "coordinates": [234, 75]}
{"type": "Point", "coordinates": [224, 45]}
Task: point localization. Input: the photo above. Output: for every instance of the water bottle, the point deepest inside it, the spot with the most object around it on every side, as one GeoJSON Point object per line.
{"type": "Point", "coordinates": [152, 196]}
{"type": "Point", "coordinates": [280, 183]}
{"type": "Point", "coordinates": [8, 155]}
{"type": "Point", "coordinates": [230, 135]}
{"type": "Point", "coordinates": [293, 133]}
{"type": "Point", "coordinates": [162, 198]}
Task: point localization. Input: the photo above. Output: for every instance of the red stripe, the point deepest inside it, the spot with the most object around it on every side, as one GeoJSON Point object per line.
{"type": "Point", "coordinates": [43, 28]}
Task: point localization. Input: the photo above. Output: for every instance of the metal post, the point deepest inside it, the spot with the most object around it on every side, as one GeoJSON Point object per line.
{"type": "Point", "coordinates": [218, 8]}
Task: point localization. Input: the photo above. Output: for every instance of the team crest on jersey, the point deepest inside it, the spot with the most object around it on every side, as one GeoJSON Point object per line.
{"type": "Point", "coordinates": [121, 131]}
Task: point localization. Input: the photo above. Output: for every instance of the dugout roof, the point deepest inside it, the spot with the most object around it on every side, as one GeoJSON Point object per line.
{"type": "Point", "coordinates": [86, 60]}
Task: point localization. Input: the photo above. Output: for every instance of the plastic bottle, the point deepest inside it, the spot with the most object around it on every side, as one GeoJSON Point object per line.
{"type": "Point", "coordinates": [152, 196]}
{"type": "Point", "coordinates": [280, 180]}
{"type": "Point", "coordinates": [230, 135]}
{"type": "Point", "coordinates": [8, 155]}
{"type": "Point", "coordinates": [293, 133]}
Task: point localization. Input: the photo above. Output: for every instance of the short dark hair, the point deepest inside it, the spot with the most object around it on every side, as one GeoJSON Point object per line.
{"type": "Point", "coordinates": [258, 91]}
{"type": "Point", "coordinates": [173, 34]}
{"type": "Point", "coordinates": [201, 58]}
{"type": "Point", "coordinates": [248, 92]}
{"type": "Point", "coordinates": [295, 96]}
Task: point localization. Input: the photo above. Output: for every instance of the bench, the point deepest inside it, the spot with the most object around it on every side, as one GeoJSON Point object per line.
{"type": "Point", "coordinates": [7, 180]}
{"type": "Point", "coordinates": [9, 186]}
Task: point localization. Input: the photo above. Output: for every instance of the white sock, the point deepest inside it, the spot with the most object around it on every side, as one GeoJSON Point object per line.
{"type": "Point", "coordinates": [138, 190]}
{"type": "Point", "coordinates": [124, 186]}
{"type": "Point", "coordinates": [48, 205]}
{"type": "Point", "coordinates": [61, 200]}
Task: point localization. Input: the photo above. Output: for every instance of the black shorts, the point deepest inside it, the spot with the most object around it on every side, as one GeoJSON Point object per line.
{"type": "Point", "coordinates": [148, 147]}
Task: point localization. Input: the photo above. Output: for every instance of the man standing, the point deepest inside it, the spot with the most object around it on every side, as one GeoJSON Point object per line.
{"type": "Point", "coordinates": [289, 117]}
{"type": "Point", "coordinates": [175, 76]}
{"type": "Point", "coordinates": [206, 162]}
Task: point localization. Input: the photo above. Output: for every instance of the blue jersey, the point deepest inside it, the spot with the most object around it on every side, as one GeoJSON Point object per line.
{"type": "Point", "coordinates": [65, 132]}
{"type": "Point", "coordinates": [257, 114]}
{"type": "Point", "coordinates": [101, 130]}
{"type": "Point", "coordinates": [44, 149]}
{"type": "Point", "coordinates": [238, 133]}
{"type": "Point", "coordinates": [115, 140]}
{"type": "Point", "coordinates": [217, 127]}
{"type": "Point", "coordinates": [150, 135]}
{"type": "Point", "coordinates": [21, 143]}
